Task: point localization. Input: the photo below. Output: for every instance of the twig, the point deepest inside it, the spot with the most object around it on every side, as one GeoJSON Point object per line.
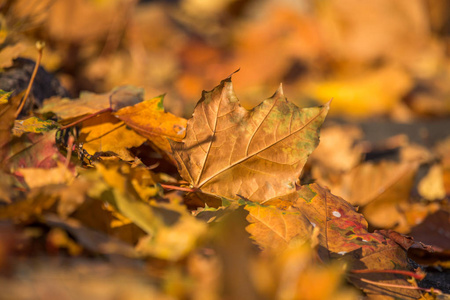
{"type": "Point", "coordinates": [40, 47]}
{"type": "Point", "coordinates": [179, 188]}
{"type": "Point", "coordinates": [69, 150]}
{"type": "Point", "coordinates": [430, 290]}
{"type": "Point", "coordinates": [418, 276]}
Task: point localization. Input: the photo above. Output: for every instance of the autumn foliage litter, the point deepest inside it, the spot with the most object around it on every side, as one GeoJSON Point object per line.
{"type": "Point", "coordinates": [109, 196]}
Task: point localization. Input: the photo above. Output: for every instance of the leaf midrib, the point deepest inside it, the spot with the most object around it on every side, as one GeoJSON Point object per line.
{"type": "Point", "coordinates": [212, 139]}
{"type": "Point", "coordinates": [199, 185]}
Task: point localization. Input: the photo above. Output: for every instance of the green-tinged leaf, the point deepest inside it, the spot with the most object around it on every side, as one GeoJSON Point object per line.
{"type": "Point", "coordinates": [172, 230]}
{"type": "Point", "coordinates": [4, 96]}
{"type": "Point", "coordinates": [176, 238]}
{"type": "Point", "coordinates": [33, 124]}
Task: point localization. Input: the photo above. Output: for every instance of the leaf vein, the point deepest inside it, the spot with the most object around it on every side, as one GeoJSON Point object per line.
{"type": "Point", "coordinates": [259, 151]}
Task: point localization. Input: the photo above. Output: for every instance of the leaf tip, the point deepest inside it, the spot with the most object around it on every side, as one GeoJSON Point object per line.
{"type": "Point", "coordinates": [229, 76]}
{"type": "Point", "coordinates": [328, 104]}
{"type": "Point", "coordinates": [279, 92]}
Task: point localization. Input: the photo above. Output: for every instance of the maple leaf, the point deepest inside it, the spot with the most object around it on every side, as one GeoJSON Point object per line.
{"type": "Point", "coordinates": [259, 154]}
{"type": "Point", "coordinates": [343, 234]}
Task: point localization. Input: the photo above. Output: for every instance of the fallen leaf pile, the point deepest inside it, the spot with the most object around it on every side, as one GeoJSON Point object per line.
{"type": "Point", "coordinates": [107, 195]}
{"type": "Point", "coordinates": [101, 199]}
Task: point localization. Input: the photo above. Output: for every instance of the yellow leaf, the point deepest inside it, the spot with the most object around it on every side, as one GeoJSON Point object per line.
{"type": "Point", "coordinates": [374, 92]}
{"type": "Point", "coordinates": [107, 134]}
{"type": "Point", "coordinates": [4, 96]}
{"type": "Point", "coordinates": [172, 241]}
{"type": "Point", "coordinates": [33, 124]}
{"type": "Point", "coordinates": [60, 239]}
{"type": "Point", "coordinates": [276, 228]}
{"type": "Point", "coordinates": [171, 228]}
{"type": "Point", "coordinates": [431, 187]}
{"type": "Point", "coordinates": [38, 177]}
{"type": "Point", "coordinates": [150, 120]}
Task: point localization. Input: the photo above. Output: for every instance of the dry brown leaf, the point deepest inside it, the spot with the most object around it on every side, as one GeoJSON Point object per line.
{"type": "Point", "coordinates": [338, 151]}
{"type": "Point", "coordinates": [378, 188]}
{"type": "Point", "coordinates": [90, 103]}
{"type": "Point", "coordinates": [9, 53]}
{"type": "Point", "coordinates": [38, 177]}
{"type": "Point", "coordinates": [392, 30]}
{"type": "Point", "coordinates": [7, 114]}
{"type": "Point", "coordinates": [78, 21]}
{"type": "Point", "coordinates": [259, 153]}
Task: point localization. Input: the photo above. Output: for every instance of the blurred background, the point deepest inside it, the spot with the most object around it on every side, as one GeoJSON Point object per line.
{"type": "Point", "coordinates": [384, 58]}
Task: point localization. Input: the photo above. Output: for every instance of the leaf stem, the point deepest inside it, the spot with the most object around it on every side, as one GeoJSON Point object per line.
{"type": "Point", "coordinates": [69, 150]}
{"type": "Point", "coordinates": [179, 188]}
{"type": "Point", "coordinates": [430, 290]}
{"type": "Point", "coordinates": [40, 47]}
{"type": "Point", "coordinates": [109, 109]}
{"type": "Point", "coordinates": [419, 275]}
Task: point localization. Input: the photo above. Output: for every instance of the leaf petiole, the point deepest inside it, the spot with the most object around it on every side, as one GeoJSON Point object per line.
{"type": "Point", "coordinates": [109, 109]}
{"type": "Point", "coordinates": [430, 290]}
{"type": "Point", "coordinates": [179, 188]}
{"type": "Point", "coordinates": [419, 275]}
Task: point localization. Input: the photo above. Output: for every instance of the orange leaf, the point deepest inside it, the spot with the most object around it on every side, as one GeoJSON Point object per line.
{"type": "Point", "coordinates": [343, 233]}
{"type": "Point", "coordinates": [149, 119]}
{"type": "Point", "coordinates": [105, 133]}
